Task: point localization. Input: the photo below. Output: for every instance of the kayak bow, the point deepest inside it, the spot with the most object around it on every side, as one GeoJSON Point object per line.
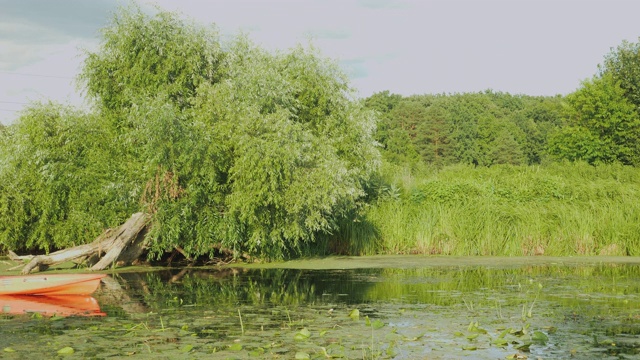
{"type": "Point", "coordinates": [50, 284]}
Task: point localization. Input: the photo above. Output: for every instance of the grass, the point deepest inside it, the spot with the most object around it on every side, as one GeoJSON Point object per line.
{"type": "Point", "coordinates": [564, 209]}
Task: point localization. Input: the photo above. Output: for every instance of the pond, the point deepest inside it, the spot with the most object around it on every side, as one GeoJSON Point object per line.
{"type": "Point", "coordinates": [408, 307]}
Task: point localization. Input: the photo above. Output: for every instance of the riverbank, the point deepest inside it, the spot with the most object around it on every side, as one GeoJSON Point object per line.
{"type": "Point", "coordinates": [9, 267]}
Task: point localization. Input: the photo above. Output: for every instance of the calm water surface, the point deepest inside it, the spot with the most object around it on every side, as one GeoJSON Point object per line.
{"type": "Point", "coordinates": [438, 310]}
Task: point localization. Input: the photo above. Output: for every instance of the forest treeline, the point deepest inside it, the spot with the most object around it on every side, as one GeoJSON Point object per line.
{"type": "Point", "coordinates": [598, 123]}
{"type": "Point", "coordinates": [485, 129]}
{"type": "Point", "coordinates": [229, 147]}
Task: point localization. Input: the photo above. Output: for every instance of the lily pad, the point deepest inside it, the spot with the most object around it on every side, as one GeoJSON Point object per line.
{"type": "Point", "coordinates": [66, 351]}
{"type": "Point", "coordinates": [302, 334]}
{"type": "Point", "coordinates": [539, 337]}
{"type": "Point", "coordinates": [377, 324]}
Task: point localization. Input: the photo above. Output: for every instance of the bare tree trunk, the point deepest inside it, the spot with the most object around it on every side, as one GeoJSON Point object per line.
{"type": "Point", "coordinates": [111, 242]}
{"type": "Point", "coordinates": [129, 232]}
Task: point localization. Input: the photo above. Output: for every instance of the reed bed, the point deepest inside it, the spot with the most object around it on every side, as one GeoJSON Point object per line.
{"type": "Point", "coordinates": [562, 209]}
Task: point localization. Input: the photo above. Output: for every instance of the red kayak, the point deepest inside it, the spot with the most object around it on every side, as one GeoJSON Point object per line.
{"type": "Point", "coordinates": [67, 305]}
{"type": "Point", "coordinates": [50, 284]}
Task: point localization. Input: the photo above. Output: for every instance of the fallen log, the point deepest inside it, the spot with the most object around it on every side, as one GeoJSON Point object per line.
{"type": "Point", "coordinates": [111, 243]}
{"type": "Point", "coordinates": [15, 257]}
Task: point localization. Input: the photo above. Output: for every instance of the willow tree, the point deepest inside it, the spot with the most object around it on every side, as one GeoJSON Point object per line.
{"type": "Point", "coordinates": [226, 146]}
{"type": "Point", "coordinates": [60, 182]}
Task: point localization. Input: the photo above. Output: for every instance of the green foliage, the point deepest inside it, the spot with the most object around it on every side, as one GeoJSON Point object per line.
{"type": "Point", "coordinates": [623, 64]}
{"type": "Point", "coordinates": [434, 133]}
{"type": "Point", "coordinates": [141, 55]}
{"type": "Point", "coordinates": [539, 118]}
{"type": "Point", "coordinates": [58, 190]}
{"type": "Point", "coordinates": [230, 146]}
{"type": "Point", "coordinates": [476, 128]}
{"type": "Point", "coordinates": [559, 209]}
{"type": "Point", "coordinates": [298, 149]}
{"type": "Point", "coordinates": [237, 148]}
{"type": "Point", "coordinates": [603, 126]}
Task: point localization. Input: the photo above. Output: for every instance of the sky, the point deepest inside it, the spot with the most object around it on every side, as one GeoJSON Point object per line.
{"type": "Point", "coordinates": [532, 47]}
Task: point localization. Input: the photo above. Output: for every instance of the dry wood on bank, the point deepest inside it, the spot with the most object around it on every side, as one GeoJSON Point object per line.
{"type": "Point", "coordinates": [119, 246]}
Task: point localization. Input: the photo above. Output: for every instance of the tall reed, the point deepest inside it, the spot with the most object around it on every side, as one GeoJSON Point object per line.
{"type": "Point", "coordinates": [557, 209]}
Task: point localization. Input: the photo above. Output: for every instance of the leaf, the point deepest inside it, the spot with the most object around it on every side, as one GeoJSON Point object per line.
{"type": "Point", "coordinates": [302, 356]}
{"type": "Point", "coordinates": [354, 314]}
{"type": "Point", "coordinates": [539, 337]}
{"type": "Point", "coordinates": [235, 347]}
{"type": "Point", "coordinates": [66, 351]}
{"type": "Point", "coordinates": [504, 333]}
{"type": "Point", "coordinates": [500, 342]}
{"type": "Point", "coordinates": [420, 336]}
{"type": "Point", "coordinates": [516, 357]}
{"type": "Point", "coordinates": [8, 349]}
{"type": "Point", "coordinates": [56, 317]}
{"type": "Point", "coordinates": [521, 331]}
{"type": "Point", "coordinates": [302, 334]}
{"type": "Point", "coordinates": [187, 348]}
{"type": "Point", "coordinates": [469, 347]}
{"type": "Point", "coordinates": [377, 324]}
{"type": "Point", "coordinates": [391, 351]}
{"type": "Point", "coordinates": [472, 326]}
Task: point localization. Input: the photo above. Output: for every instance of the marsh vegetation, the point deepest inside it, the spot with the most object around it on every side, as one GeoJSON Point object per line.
{"type": "Point", "coordinates": [563, 308]}
{"type": "Point", "coordinates": [237, 152]}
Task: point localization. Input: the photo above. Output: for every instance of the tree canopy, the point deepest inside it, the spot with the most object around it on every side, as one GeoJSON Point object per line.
{"type": "Point", "coordinates": [603, 115]}
{"type": "Point", "coordinates": [597, 123]}
{"type": "Point", "coordinates": [602, 125]}
{"type": "Point", "coordinates": [225, 144]}
{"type": "Point", "coordinates": [623, 64]}
{"type": "Point", "coordinates": [484, 128]}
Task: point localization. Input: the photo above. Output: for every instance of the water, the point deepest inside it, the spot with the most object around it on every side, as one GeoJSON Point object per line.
{"type": "Point", "coordinates": [444, 308]}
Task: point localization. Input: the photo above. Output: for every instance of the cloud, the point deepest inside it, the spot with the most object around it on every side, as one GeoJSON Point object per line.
{"type": "Point", "coordinates": [331, 34]}
{"type": "Point", "coordinates": [15, 55]}
{"type": "Point", "coordinates": [74, 18]}
{"type": "Point", "coordinates": [31, 29]}
{"type": "Point", "coordinates": [24, 32]}
{"type": "Point", "coordinates": [355, 68]}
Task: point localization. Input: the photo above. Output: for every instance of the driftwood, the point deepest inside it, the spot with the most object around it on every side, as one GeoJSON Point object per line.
{"type": "Point", "coordinates": [122, 245]}
{"type": "Point", "coordinates": [15, 257]}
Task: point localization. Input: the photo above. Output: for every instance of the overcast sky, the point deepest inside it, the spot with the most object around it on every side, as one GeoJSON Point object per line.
{"type": "Point", "coordinates": [543, 47]}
